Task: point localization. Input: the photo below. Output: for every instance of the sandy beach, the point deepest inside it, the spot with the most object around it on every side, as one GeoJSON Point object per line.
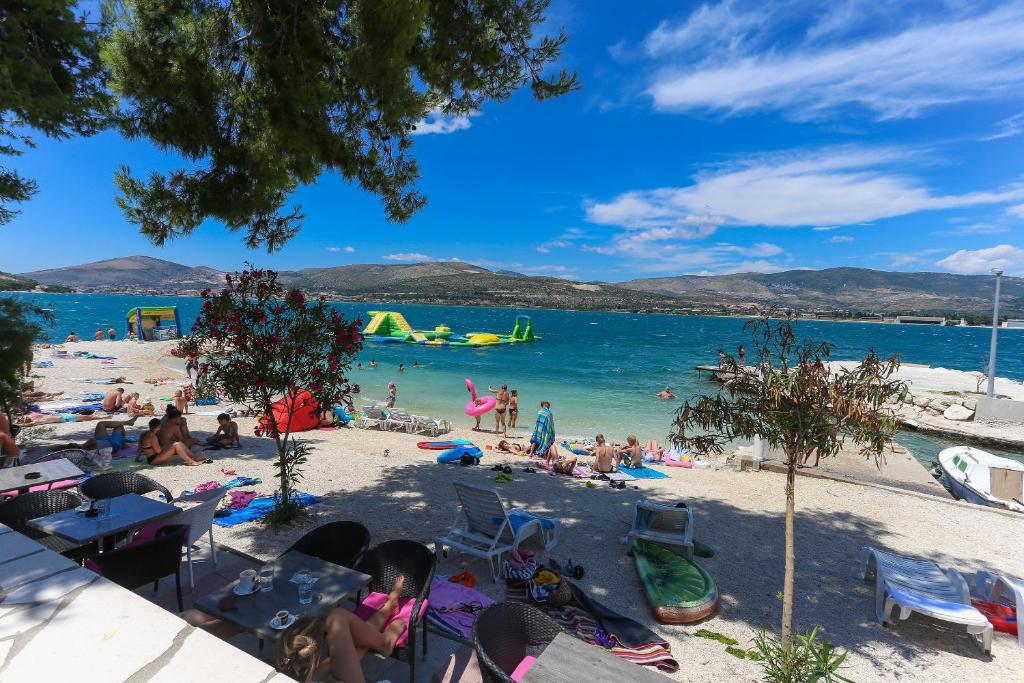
{"type": "Point", "coordinates": [398, 491]}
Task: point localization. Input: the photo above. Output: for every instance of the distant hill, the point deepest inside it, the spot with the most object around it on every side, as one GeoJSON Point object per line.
{"type": "Point", "coordinates": [17, 283]}
{"type": "Point", "coordinates": [853, 289]}
{"type": "Point", "coordinates": [459, 283]}
{"type": "Point", "coordinates": [130, 273]}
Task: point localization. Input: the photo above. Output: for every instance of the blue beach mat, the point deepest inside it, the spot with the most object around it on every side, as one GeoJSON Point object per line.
{"type": "Point", "coordinates": [643, 472]}
{"type": "Point", "coordinates": [455, 454]}
{"type": "Point", "coordinates": [258, 509]}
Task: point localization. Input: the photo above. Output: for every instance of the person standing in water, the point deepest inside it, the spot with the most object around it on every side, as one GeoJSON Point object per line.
{"type": "Point", "coordinates": [500, 408]}
{"type": "Point", "coordinates": [392, 394]}
{"type": "Point", "coordinates": [741, 356]}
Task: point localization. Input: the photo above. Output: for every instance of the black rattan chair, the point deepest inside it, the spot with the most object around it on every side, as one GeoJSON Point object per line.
{"type": "Point", "coordinates": [113, 484]}
{"type": "Point", "coordinates": [17, 511]}
{"type": "Point", "coordinates": [76, 456]}
{"type": "Point", "coordinates": [341, 543]}
{"type": "Point", "coordinates": [137, 564]}
{"type": "Point", "coordinates": [385, 563]}
{"type": "Point", "coordinates": [504, 634]}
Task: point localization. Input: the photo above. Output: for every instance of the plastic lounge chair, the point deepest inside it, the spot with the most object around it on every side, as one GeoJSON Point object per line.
{"type": "Point", "coordinates": [385, 563]}
{"type": "Point", "coordinates": [137, 564]}
{"type": "Point", "coordinates": [399, 420]}
{"type": "Point", "coordinates": [483, 527]}
{"type": "Point", "coordinates": [507, 634]}
{"type": "Point", "coordinates": [340, 543]}
{"type": "Point", "coordinates": [665, 524]}
{"type": "Point", "coordinates": [429, 426]}
{"type": "Point", "coordinates": [992, 586]}
{"type": "Point", "coordinates": [113, 484]}
{"type": "Point", "coordinates": [199, 520]}
{"type": "Point", "coordinates": [371, 417]}
{"type": "Point", "coordinates": [922, 586]}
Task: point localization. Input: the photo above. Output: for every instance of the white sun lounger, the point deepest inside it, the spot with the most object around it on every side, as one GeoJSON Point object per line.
{"type": "Point", "coordinates": [992, 586]}
{"type": "Point", "coordinates": [483, 528]}
{"type": "Point", "coordinates": [922, 586]}
{"type": "Point", "coordinates": [664, 523]}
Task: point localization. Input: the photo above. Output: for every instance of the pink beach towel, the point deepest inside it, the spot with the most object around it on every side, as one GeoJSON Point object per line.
{"type": "Point", "coordinates": [374, 601]}
{"type": "Point", "coordinates": [456, 605]}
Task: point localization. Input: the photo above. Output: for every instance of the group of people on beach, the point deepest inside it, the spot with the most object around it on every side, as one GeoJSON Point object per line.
{"type": "Point", "coordinates": [99, 335]}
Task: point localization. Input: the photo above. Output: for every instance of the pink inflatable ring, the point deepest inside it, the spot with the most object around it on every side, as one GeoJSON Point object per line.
{"type": "Point", "coordinates": [478, 406]}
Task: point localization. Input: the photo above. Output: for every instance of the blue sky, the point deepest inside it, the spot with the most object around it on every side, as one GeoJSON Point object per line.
{"type": "Point", "coordinates": [706, 138]}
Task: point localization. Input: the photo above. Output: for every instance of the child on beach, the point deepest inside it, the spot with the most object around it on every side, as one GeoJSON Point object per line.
{"type": "Point", "coordinates": [392, 394]}
{"type": "Point", "coordinates": [180, 402]}
{"type": "Point", "coordinates": [191, 363]}
{"type": "Point", "coordinates": [226, 434]}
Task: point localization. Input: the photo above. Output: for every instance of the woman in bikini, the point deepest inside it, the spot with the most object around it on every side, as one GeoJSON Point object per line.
{"type": "Point", "coordinates": [499, 409]}
{"type": "Point", "coordinates": [513, 408]}
{"type": "Point", "coordinates": [155, 454]}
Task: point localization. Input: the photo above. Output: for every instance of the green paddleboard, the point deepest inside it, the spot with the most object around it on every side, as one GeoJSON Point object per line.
{"type": "Point", "coordinates": [678, 590]}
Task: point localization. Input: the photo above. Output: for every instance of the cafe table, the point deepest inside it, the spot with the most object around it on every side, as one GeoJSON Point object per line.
{"type": "Point", "coordinates": [253, 612]}
{"type": "Point", "coordinates": [568, 659]}
{"type": "Point", "coordinates": [14, 478]}
{"type": "Point", "coordinates": [117, 514]}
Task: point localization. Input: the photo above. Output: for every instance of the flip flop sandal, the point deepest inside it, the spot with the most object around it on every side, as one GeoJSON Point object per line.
{"type": "Point", "coordinates": [530, 470]}
{"type": "Point", "coordinates": [496, 468]}
{"type": "Point", "coordinates": [506, 469]}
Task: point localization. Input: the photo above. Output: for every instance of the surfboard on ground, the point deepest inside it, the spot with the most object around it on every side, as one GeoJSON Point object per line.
{"type": "Point", "coordinates": [442, 445]}
{"type": "Point", "coordinates": [679, 591]}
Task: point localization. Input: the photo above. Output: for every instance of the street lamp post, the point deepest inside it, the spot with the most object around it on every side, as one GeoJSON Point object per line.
{"type": "Point", "coordinates": [995, 338]}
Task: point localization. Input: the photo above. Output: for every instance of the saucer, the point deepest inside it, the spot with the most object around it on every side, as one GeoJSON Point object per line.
{"type": "Point", "coordinates": [278, 626]}
{"type": "Point", "coordinates": [237, 590]}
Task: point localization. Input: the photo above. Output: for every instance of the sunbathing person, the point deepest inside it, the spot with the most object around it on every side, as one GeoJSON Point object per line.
{"type": "Point", "coordinates": [113, 400]}
{"type": "Point", "coordinates": [324, 649]}
{"type": "Point", "coordinates": [226, 434]}
{"type": "Point", "coordinates": [157, 454]}
{"type": "Point", "coordinates": [61, 417]}
{"type": "Point", "coordinates": [173, 427]}
{"type": "Point", "coordinates": [108, 434]}
{"type": "Point", "coordinates": [8, 447]}
{"type": "Point", "coordinates": [508, 447]}
{"type": "Point", "coordinates": [606, 457]}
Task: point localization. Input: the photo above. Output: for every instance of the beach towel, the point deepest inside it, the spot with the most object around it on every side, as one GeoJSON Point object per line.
{"type": "Point", "coordinates": [575, 448]}
{"type": "Point", "coordinates": [258, 509]}
{"type": "Point", "coordinates": [239, 499]}
{"type": "Point", "coordinates": [544, 431]}
{"type": "Point", "coordinates": [518, 518]}
{"type": "Point", "coordinates": [231, 484]}
{"type": "Point", "coordinates": [43, 364]}
{"type": "Point", "coordinates": [455, 607]}
{"type": "Point", "coordinates": [643, 472]}
{"type": "Point", "coordinates": [598, 625]}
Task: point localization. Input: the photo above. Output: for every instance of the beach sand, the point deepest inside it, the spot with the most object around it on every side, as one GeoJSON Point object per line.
{"type": "Point", "coordinates": [407, 495]}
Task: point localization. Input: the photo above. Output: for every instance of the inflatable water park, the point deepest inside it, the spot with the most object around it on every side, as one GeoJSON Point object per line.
{"type": "Point", "coordinates": [391, 327]}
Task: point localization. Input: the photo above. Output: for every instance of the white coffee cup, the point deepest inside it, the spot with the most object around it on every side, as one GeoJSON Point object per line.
{"type": "Point", "coordinates": [247, 581]}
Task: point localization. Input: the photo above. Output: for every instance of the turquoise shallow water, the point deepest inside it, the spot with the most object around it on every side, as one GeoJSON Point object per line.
{"type": "Point", "coordinates": [600, 371]}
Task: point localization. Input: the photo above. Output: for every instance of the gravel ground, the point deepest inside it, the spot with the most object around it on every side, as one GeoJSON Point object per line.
{"type": "Point", "coordinates": [408, 495]}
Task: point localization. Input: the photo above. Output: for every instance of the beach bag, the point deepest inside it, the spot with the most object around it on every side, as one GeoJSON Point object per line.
{"type": "Point", "coordinates": [468, 459]}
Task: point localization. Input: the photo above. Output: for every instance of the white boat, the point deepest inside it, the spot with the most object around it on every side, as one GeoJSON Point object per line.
{"type": "Point", "coordinates": [982, 478]}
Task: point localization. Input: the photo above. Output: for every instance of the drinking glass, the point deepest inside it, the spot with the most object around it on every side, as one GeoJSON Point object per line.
{"type": "Point", "coordinates": [267, 579]}
{"type": "Point", "coordinates": [305, 591]}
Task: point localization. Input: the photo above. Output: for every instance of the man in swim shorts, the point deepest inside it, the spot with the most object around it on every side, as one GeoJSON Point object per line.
{"type": "Point", "coordinates": [113, 400]}
{"type": "Point", "coordinates": [606, 458]}
{"type": "Point", "coordinates": [108, 434]}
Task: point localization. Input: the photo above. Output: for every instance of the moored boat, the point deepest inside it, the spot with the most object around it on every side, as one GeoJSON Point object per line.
{"type": "Point", "coordinates": [982, 478]}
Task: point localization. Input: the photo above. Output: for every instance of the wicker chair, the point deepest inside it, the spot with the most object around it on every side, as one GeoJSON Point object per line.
{"type": "Point", "coordinates": [113, 484]}
{"type": "Point", "coordinates": [76, 456]}
{"type": "Point", "coordinates": [341, 543]}
{"type": "Point", "coordinates": [385, 563]}
{"type": "Point", "coordinates": [17, 511]}
{"type": "Point", "coordinates": [504, 634]}
{"type": "Point", "coordinates": [137, 564]}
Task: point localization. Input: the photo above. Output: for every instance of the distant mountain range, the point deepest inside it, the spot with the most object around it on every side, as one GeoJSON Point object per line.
{"type": "Point", "coordinates": [453, 282]}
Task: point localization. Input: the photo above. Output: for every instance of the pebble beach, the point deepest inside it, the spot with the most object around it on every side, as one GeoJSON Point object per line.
{"type": "Point", "coordinates": [398, 491]}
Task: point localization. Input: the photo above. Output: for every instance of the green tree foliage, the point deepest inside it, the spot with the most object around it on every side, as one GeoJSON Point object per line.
{"type": "Point", "coordinates": [21, 325]}
{"type": "Point", "coordinates": [258, 343]}
{"type": "Point", "coordinates": [793, 400]}
{"type": "Point", "coordinates": [51, 81]}
{"type": "Point", "coordinates": [261, 97]}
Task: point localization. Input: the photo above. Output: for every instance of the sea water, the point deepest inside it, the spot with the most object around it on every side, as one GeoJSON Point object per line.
{"type": "Point", "coordinates": [600, 371]}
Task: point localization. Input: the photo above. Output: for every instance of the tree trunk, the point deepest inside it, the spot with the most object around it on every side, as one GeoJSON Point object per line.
{"type": "Point", "coordinates": [787, 584]}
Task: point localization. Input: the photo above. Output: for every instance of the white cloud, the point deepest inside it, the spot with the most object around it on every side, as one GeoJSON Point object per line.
{"type": "Point", "coordinates": [839, 239]}
{"type": "Point", "coordinates": [979, 229]}
{"type": "Point", "coordinates": [980, 261]}
{"type": "Point", "coordinates": [1007, 128]}
{"type": "Point", "coordinates": [1017, 210]}
{"type": "Point", "coordinates": [595, 249]}
{"type": "Point", "coordinates": [350, 250]}
{"type": "Point", "coordinates": [708, 27]}
{"type": "Point", "coordinates": [409, 256]}
{"type": "Point", "coordinates": [840, 186]}
{"type": "Point", "coordinates": [899, 259]}
{"type": "Point", "coordinates": [953, 59]}
{"type": "Point", "coordinates": [441, 124]}
{"type": "Point", "coordinates": [335, 250]}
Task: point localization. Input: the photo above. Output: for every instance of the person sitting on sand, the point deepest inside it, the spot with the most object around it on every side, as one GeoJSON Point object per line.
{"type": "Point", "coordinates": [99, 336]}
{"type": "Point", "coordinates": [111, 334]}
{"type": "Point", "coordinates": [72, 338]}
{"type": "Point", "coordinates": [131, 406]}
{"type": "Point", "coordinates": [8, 447]}
{"type": "Point", "coordinates": [156, 453]}
{"type": "Point", "coordinates": [543, 431]}
{"type": "Point", "coordinates": [173, 427]}
{"type": "Point", "coordinates": [108, 434]}
{"type": "Point", "coordinates": [113, 400]}
{"type": "Point", "coordinates": [632, 452]}
{"type": "Point", "coordinates": [328, 649]}
{"type": "Point", "coordinates": [666, 393]}
{"type": "Point", "coordinates": [606, 458]}
{"type": "Point", "coordinates": [226, 434]}
{"type": "Point", "coordinates": [180, 402]}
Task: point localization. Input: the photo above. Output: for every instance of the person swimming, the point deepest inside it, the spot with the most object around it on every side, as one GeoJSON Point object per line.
{"type": "Point", "coordinates": [666, 393]}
